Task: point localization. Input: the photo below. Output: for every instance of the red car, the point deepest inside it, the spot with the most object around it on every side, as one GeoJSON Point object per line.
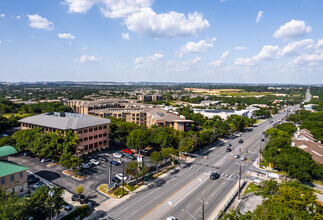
{"type": "Point", "coordinates": [128, 151]}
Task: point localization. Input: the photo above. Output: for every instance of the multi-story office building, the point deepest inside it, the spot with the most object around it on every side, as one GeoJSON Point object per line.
{"type": "Point", "coordinates": [13, 177]}
{"type": "Point", "coordinates": [150, 98]}
{"type": "Point", "coordinates": [93, 132]}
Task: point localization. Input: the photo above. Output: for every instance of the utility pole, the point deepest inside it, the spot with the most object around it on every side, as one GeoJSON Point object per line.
{"type": "Point", "coordinates": [123, 178]}
{"type": "Point", "coordinates": [260, 154]}
{"type": "Point", "coordinates": [110, 172]}
{"type": "Point", "coordinates": [239, 181]}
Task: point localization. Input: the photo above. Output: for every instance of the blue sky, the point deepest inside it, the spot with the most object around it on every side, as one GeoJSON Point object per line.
{"type": "Point", "coordinates": [224, 41]}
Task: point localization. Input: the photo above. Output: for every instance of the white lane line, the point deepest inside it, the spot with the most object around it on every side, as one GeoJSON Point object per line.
{"type": "Point", "coordinates": [230, 176]}
{"type": "Point", "coordinates": [190, 192]}
{"type": "Point", "coordinates": [222, 174]}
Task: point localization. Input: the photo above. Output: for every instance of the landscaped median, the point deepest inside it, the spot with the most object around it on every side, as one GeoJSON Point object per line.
{"type": "Point", "coordinates": [73, 175]}
{"type": "Point", "coordinates": [114, 192]}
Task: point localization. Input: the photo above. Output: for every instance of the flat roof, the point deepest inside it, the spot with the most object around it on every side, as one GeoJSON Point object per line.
{"type": "Point", "coordinates": [65, 120]}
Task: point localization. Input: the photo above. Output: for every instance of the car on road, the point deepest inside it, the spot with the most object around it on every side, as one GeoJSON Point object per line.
{"type": "Point", "coordinates": [127, 151]}
{"type": "Point", "coordinates": [171, 218]}
{"type": "Point", "coordinates": [45, 160]}
{"type": "Point", "coordinates": [214, 176]}
{"type": "Point", "coordinates": [103, 159]}
{"type": "Point", "coordinates": [81, 198]}
{"type": "Point", "coordinates": [236, 156]}
{"type": "Point", "coordinates": [95, 162]}
{"type": "Point", "coordinates": [37, 185]}
{"type": "Point", "coordinates": [238, 135]}
{"type": "Point", "coordinates": [33, 180]}
{"type": "Point", "coordinates": [117, 155]}
{"type": "Point", "coordinates": [228, 149]}
{"type": "Point", "coordinates": [115, 163]}
{"type": "Point", "coordinates": [228, 145]}
{"type": "Point", "coordinates": [240, 141]}
{"type": "Point", "coordinates": [121, 176]}
{"type": "Point", "coordinates": [115, 180]}
{"type": "Point", "coordinates": [242, 158]}
{"type": "Point", "coordinates": [85, 165]}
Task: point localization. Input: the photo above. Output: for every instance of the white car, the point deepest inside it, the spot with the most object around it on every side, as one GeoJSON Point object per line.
{"type": "Point", "coordinates": [121, 176]}
{"type": "Point", "coordinates": [85, 165]}
{"type": "Point", "coordinates": [242, 158]}
{"type": "Point", "coordinates": [95, 162]}
{"type": "Point", "coordinates": [117, 155]}
{"type": "Point", "coordinates": [171, 218]}
{"type": "Point", "coordinates": [236, 156]}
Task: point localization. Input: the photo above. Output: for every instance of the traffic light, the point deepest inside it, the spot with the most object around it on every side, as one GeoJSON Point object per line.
{"type": "Point", "coordinates": [248, 160]}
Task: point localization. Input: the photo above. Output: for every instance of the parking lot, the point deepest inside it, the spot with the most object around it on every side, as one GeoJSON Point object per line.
{"type": "Point", "coordinates": [95, 175]}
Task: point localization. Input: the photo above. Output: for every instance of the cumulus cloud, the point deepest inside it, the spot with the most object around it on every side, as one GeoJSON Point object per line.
{"type": "Point", "coordinates": [292, 30]}
{"type": "Point", "coordinates": [88, 59]}
{"type": "Point", "coordinates": [259, 16]}
{"type": "Point", "coordinates": [109, 8]}
{"type": "Point", "coordinates": [240, 48]}
{"type": "Point", "coordinates": [268, 52]}
{"type": "Point", "coordinates": [18, 17]}
{"type": "Point", "coordinates": [36, 21]}
{"type": "Point", "coordinates": [182, 66]}
{"type": "Point", "coordinates": [66, 36]}
{"type": "Point", "coordinates": [2, 15]}
{"type": "Point", "coordinates": [125, 36]}
{"type": "Point", "coordinates": [166, 25]}
{"type": "Point", "coordinates": [196, 47]}
{"type": "Point", "coordinates": [220, 61]}
{"type": "Point", "coordinates": [141, 62]}
{"type": "Point", "coordinates": [312, 57]}
{"type": "Point", "coordinates": [296, 47]}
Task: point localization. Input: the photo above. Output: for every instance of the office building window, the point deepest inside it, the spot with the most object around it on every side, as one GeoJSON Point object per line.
{"type": "Point", "coordinates": [104, 134]}
{"type": "Point", "coordinates": [104, 127]}
{"type": "Point", "coordinates": [85, 131]}
{"type": "Point", "coordinates": [100, 142]}
{"type": "Point", "coordinates": [21, 175]}
{"type": "Point", "coordinates": [90, 129]}
{"type": "Point", "coordinates": [95, 136]}
{"type": "Point", "coordinates": [86, 147]}
{"type": "Point", "coordinates": [85, 139]}
{"type": "Point", "coordinates": [3, 181]}
{"type": "Point", "coordinates": [100, 128]}
{"type": "Point", "coordinates": [100, 135]}
{"type": "Point", "coordinates": [12, 177]}
{"type": "Point", "coordinates": [95, 129]}
{"type": "Point", "coordinates": [91, 146]}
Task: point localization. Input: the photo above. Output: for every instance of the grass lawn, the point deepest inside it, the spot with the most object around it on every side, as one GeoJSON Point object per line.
{"type": "Point", "coordinates": [251, 188]}
{"type": "Point", "coordinates": [132, 188]}
{"type": "Point", "coordinates": [319, 182]}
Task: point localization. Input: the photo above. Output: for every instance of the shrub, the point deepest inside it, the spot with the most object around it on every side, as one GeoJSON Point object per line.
{"type": "Point", "coordinates": [118, 192]}
{"type": "Point", "coordinates": [81, 211]}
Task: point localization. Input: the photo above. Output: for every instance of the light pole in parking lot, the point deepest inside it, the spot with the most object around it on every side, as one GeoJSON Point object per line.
{"type": "Point", "coordinates": [262, 141]}
{"type": "Point", "coordinates": [122, 178]}
{"type": "Point", "coordinates": [239, 180]}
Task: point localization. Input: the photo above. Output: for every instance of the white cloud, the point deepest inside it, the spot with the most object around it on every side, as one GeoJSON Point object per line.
{"type": "Point", "coordinates": [66, 36]}
{"type": "Point", "coordinates": [259, 16]}
{"type": "Point", "coordinates": [37, 21]}
{"type": "Point", "coordinates": [125, 36]}
{"type": "Point", "coordinates": [196, 47]}
{"type": "Point", "coordinates": [223, 0]}
{"type": "Point", "coordinates": [182, 66]}
{"type": "Point", "coordinates": [88, 59]}
{"type": "Point", "coordinates": [0, 41]}
{"type": "Point", "coordinates": [109, 8]}
{"type": "Point", "coordinates": [268, 52]}
{"type": "Point", "coordinates": [296, 47]}
{"type": "Point", "coordinates": [166, 25]}
{"type": "Point", "coordinates": [220, 61]}
{"type": "Point", "coordinates": [2, 15]}
{"type": "Point", "coordinates": [18, 17]}
{"type": "Point", "coordinates": [141, 62]}
{"type": "Point", "coordinates": [292, 29]}
{"type": "Point", "coordinates": [240, 48]}
{"type": "Point", "coordinates": [313, 56]}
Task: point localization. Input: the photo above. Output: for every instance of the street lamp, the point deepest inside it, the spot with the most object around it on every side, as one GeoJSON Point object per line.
{"type": "Point", "coordinates": [51, 194]}
{"type": "Point", "coordinates": [262, 140]}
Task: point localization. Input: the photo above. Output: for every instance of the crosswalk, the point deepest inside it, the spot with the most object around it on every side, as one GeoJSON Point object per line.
{"type": "Point", "coordinates": [208, 172]}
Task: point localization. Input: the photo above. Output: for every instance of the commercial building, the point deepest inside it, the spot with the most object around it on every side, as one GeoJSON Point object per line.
{"type": "Point", "coordinates": [13, 177]}
{"type": "Point", "coordinates": [150, 98]}
{"type": "Point", "coordinates": [93, 132]}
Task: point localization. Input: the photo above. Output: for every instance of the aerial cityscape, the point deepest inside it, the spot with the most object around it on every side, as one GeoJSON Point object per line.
{"type": "Point", "coordinates": [161, 110]}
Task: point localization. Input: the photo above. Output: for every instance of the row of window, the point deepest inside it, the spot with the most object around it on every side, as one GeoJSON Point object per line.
{"type": "Point", "coordinates": [93, 146]}
{"type": "Point", "coordinates": [12, 178]}
{"type": "Point", "coordinates": [91, 137]}
{"type": "Point", "coordinates": [91, 129]}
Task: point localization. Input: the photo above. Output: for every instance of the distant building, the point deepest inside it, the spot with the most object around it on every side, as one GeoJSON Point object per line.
{"type": "Point", "coordinates": [150, 98]}
{"type": "Point", "coordinates": [13, 177]}
{"type": "Point", "coordinates": [93, 132]}
{"type": "Point", "coordinates": [304, 140]}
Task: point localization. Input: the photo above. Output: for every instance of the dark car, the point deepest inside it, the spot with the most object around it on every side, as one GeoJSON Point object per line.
{"type": "Point", "coordinates": [228, 149]}
{"type": "Point", "coordinates": [115, 163]}
{"type": "Point", "coordinates": [81, 198]}
{"type": "Point", "coordinates": [27, 153]}
{"type": "Point", "coordinates": [67, 207]}
{"type": "Point", "coordinates": [103, 159]}
{"type": "Point", "coordinates": [214, 176]}
{"type": "Point", "coordinates": [30, 176]}
{"type": "Point", "coordinates": [33, 180]}
{"type": "Point", "coordinates": [240, 141]}
{"type": "Point", "coordinates": [147, 152]}
{"type": "Point", "coordinates": [228, 145]}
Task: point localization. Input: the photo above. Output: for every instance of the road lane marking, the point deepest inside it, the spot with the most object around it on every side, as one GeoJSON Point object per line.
{"type": "Point", "coordinates": [230, 176]}
{"type": "Point", "coordinates": [168, 198]}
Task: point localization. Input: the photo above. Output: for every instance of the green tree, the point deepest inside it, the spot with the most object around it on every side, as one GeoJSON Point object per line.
{"type": "Point", "coordinates": [138, 139]}
{"type": "Point", "coordinates": [156, 158]}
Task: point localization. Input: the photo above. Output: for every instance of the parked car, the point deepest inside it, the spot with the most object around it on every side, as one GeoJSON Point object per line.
{"type": "Point", "coordinates": [146, 152]}
{"type": "Point", "coordinates": [117, 155]}
{"type": "Point", "coordinates": [85, 165]}
{"type": "Point", "coordinates": [30, 176]}
{"type": "Point", "coordinates": [67, 207]}
{"type": "Point", "coordinates": [171, 218]}
{"type": "Point", "coordinates": [33, 180]}
{"type": "Point", "coordinates": [127, 151]}
{"type": "Point", "coordinates": [115, 163]}
{"type": "Point", "coordinates": [228, 149]}
{"type": "Point", "coordinates": [103, 159]}
{"type": "Point", "coordinates": [130, 156]}
{"type": "Point", "coordinates": [228, 145]}
{"type": "Point", "coordinates": [27, 153]}
{"type": "Point", "coordinates": [214, 176]}
{"type": "Point", "coordinates": [240, 141]}
{"type": "Point", "coordinates": [121, 176]}
{"type": "Point", "coordinates": [115, 180]}
{"type": "Point", "coordinates": [37, 185]}
{"type": "Point", "coordinates": [45, 160]}
{"type": "Point", "coordinates": [95, 162]}
{"type": "Point", "coordinates": [236, 156]}
{"type": "Point", "coordinates": [242, 158]}
{"type": "Point", "coordinates": [81, 198]}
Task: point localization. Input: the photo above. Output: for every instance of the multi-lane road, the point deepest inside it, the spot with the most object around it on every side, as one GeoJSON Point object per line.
{"type": "Point", "coordinates": [308, 95]}
{"type": "Point", "coordinates": [180, 194]}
